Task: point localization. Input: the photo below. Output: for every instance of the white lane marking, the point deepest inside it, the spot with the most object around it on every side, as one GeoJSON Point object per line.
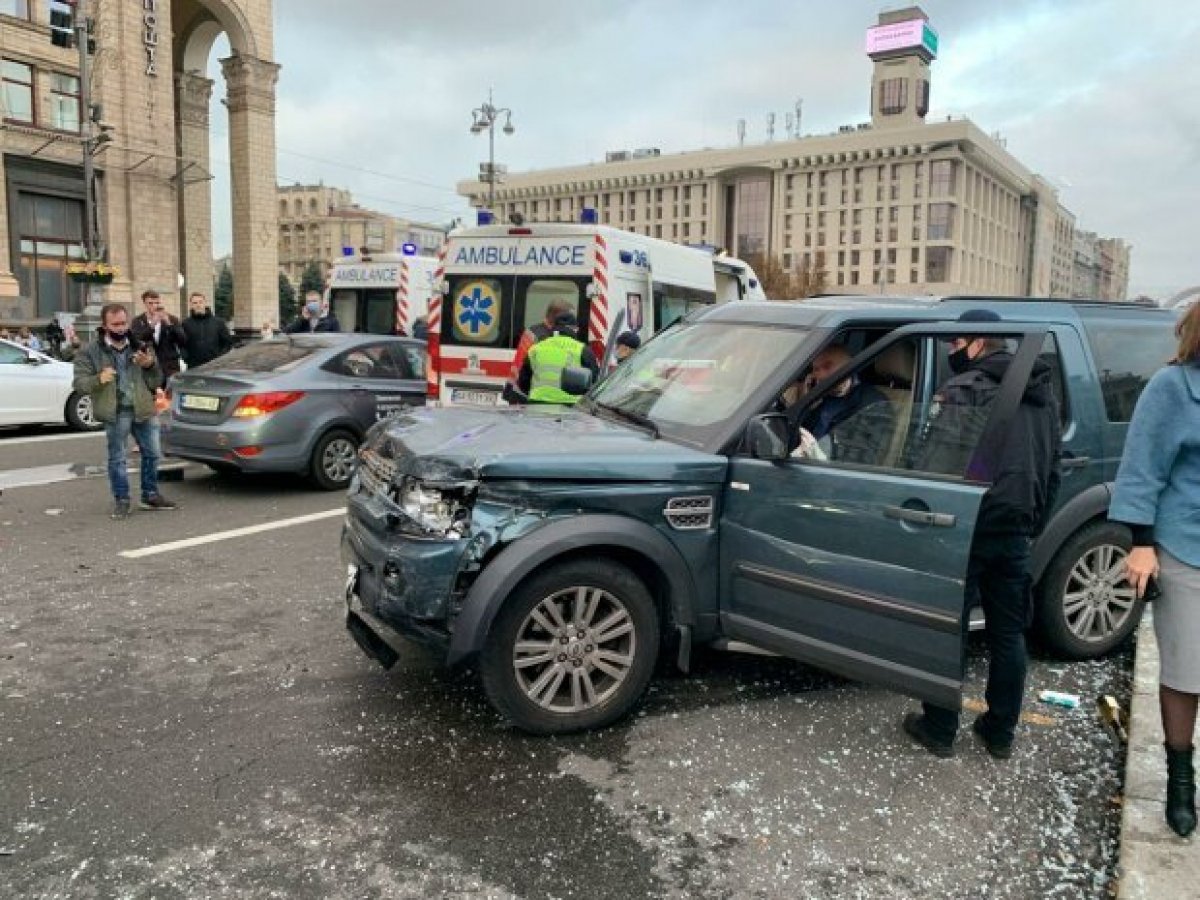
{"type": "Point", "coordinates": [10, 442]}
{"type": "Point", "coordinates": [233, 533]}
{"type": "Point", "coordinates": [39, 476]}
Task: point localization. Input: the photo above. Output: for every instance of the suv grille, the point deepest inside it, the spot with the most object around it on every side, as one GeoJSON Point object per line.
{"type": "Point", "coordinates": [689, 513]}
{"type": "Point", "coordinates": [375, 473]}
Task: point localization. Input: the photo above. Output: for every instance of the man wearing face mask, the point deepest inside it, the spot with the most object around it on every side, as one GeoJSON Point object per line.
{"type": "Point", "coordinates": [854, 420]}
{"type": "Point", "coordinates": [311, 318]}
{"type": "Point", "coordinates": [1013, 513]}
{"type": "Point", "coordinates": [121, 380]}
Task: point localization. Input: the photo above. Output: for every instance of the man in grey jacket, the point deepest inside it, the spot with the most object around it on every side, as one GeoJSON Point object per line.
{"type": "Point", "coordinates": [121, 380]}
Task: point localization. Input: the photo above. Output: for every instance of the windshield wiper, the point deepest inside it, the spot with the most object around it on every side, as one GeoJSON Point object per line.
{"type": "Point", "coordinates": [629, 415]}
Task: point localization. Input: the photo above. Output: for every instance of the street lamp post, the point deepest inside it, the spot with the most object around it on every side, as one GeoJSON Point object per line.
{"type": "Point", "coordinates": [484, 119]}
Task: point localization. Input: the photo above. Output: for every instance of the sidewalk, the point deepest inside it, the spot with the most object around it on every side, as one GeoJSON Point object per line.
{"type": "Point", "coordinates": [1154, 863]}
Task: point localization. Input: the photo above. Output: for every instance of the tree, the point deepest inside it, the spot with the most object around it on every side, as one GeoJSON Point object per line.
{"type": "Point", "coordinates": [288, 309]}
{"type": "Point", "coordinates": [780, 284]}
{"type": "Point", "coordinates": [223, 294]}
{"type": "Point", "coordinates": [312, 279]}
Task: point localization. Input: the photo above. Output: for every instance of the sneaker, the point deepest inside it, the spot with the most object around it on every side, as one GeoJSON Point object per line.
{"type": "Point", "coordinates": [998, 749]}
{"type": "Point", "coordinates": [917, 728]}
{"type": "Point", "coordinates": [156, 501]}
{"type": "Point", "coordinates": [120, 509]}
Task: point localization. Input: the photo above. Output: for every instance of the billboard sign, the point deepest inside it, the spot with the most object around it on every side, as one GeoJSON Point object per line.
{"type": "Point", "coordinates": [909, 35]}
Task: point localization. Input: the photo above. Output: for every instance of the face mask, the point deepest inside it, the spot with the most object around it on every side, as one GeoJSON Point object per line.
{"type": "Point", "coordinates": [117, 337]}
{"type": "Point", "coordinates": [960, 361]}
{"type": "Point", "coordinates": [313, 308]}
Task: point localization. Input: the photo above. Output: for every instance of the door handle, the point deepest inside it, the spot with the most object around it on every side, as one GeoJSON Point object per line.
{"type": "Point", "coordinates": [920, 516]}
{"type": "Point", "coordinates": [1068, 463]}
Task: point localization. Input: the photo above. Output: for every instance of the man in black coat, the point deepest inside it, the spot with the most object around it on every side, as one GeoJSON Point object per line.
{"type": "Point", "coordinates": [1024, 483]}
{"type": "Point", "coordinates": [207, 335]}
{"type": "Point", "coordinates": [162, 331]}
{"type": "Point", "coordinates": [313, 317]}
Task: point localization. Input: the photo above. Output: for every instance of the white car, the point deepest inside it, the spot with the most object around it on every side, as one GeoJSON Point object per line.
{"type": "Point", "coordinates": [35, 389]}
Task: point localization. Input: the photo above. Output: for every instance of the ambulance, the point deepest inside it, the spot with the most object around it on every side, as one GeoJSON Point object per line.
{"type": "Point", "coordinates": [380, 293]}
{"type": "Point", "coordinates": [493, 282]}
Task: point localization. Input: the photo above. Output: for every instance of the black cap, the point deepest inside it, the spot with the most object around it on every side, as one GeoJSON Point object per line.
{"type": "Point", "coordinates": [630, 339]}
{"type": "Point", "coordinates": [566, 320]}
{"type": "Point", "coordinates": [980, 315]}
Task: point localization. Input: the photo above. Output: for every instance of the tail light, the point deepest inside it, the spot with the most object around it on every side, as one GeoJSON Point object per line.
{"type": "Point", "coordinates": [264, 404]}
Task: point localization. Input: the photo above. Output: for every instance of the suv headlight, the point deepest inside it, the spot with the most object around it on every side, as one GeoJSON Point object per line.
{"type": "Point", "coordinates": [433, 509]}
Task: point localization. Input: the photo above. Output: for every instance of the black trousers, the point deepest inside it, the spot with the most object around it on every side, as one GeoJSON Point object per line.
{"type": "Point", "coordinates": [998, 575]}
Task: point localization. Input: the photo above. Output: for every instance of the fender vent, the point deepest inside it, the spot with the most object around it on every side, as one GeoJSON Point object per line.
{"type": "Point", "coordinates": [689, 513]}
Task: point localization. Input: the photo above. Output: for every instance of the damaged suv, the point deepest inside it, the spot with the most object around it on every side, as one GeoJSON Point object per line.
{"type": "Point", "coordinates": [560, 550]}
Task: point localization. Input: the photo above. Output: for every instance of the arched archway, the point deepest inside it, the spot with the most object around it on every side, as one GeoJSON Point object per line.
{"type": "Point", "coordinates": [250, 78]}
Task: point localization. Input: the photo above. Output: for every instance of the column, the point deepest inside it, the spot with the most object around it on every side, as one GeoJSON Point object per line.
{"type": "Point", "coordinates": [9, 287]}
{"type": "Point", "coordinates": [193, 94]}
{"type": "Point", "coordinates": [250, 87]}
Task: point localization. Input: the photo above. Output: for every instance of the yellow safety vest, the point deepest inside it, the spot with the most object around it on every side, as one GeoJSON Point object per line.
{"type": "Point", "coordinates": [547, 359]}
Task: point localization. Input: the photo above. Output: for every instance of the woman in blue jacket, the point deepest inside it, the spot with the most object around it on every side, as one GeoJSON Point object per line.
{"type": "Point", "coordinates": [1158, 496]}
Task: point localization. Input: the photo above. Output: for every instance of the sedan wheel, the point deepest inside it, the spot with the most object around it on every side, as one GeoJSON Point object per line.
{"type": "Point", "coordinates": [81, 412]}
{"type": "Point", "coordinates": [334, 460]}
{"type": "Point", "coordinates": [572, 648]}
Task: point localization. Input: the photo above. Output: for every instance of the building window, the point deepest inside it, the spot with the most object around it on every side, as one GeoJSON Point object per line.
{"type": "Point", "coordinates": [941, 178]}
{"type": "Point", "coordinates": [820, 238]}
{"type": "Point", "coordinates": [841, 278]}
{"type": "Point", "coordinates": [51, 232]}
{"type": "Point", "coordinates": [854, 257]}
{"type": "Point", "coordinates": [854, 277]}
{"type": "Point", "coordinates": [912, 276]}
{"type": "Point", "coordinates": [916, 256]}
{"type": "Point", "coordinates": [64, 102]}
{"type": "Point", "coordinates": [18, 91]}
{"type": "Point", "coordinates": [18, 9]}
{"type": "Point", "coordinates": [937, 264]}
{"type": "Point", "coordinates": [841, 257]}
{"type": "Point", "coordinates": [858, 195]}
{"type": "Point", "coordinates": [941, 221]}
{"type": "Point", "coordinates": [893, 96]}
{"type": "Point", "coordinates": [856, 236]}
{"type": "Point", "coordinates": [891, 256]}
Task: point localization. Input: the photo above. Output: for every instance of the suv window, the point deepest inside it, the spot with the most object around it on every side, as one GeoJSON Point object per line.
{"type": "Point", "coordinates": [1127, 354]}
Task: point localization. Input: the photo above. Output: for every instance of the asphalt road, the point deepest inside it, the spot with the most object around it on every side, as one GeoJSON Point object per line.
{"type": "Point", "coordinates": [197, 723]}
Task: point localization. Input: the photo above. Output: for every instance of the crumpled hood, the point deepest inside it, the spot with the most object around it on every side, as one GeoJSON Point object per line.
{"type": "Point", "coordinates": [458, 444]}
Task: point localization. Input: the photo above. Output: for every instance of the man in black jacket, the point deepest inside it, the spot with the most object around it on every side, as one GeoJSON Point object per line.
{"type": "Point", "coordinates": [855, 419]}
{"type": "Point", "coordinates": [207, 335]}
{"type": "Point", "coordinates": [162, 331]}
{"type": "Point", "coordinates": [1024, 478]}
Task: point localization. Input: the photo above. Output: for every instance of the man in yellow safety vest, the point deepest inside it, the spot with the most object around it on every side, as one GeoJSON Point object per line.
{"type": "Point", "coordinates": [540, 378]}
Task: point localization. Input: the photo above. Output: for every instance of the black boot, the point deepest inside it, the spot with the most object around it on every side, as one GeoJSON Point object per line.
{"type": "Point", "coordinates": [1181, 791]}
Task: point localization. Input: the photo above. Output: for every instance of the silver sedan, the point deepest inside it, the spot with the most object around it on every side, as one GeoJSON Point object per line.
{"type": "Point", "coordinates": [299, 403]}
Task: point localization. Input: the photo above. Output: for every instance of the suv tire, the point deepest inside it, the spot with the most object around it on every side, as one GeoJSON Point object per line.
{"type": "Point", "coordinates": [1070, 627]}
{"type": "Point", "coordinates": [80, 413]}
{"type": "Point", "coordinates": [333, 460]}
{"type": "Point", "coordinates": [573, 648]}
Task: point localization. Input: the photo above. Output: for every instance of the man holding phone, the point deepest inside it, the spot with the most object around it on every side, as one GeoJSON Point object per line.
{"type": "Point", "coordinates": [162, 332]}
{"type": "Point", "coordinates": [122, 379]}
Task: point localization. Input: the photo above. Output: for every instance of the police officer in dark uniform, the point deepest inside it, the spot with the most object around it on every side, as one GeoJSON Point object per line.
{"type": "Point", "coordinates": [1013, 512]}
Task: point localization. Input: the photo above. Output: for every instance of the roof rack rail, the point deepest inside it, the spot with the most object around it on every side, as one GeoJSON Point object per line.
{"type": "Point", "coordinates": [990, 298]}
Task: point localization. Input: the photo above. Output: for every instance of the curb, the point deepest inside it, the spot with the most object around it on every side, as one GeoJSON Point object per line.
{"type": "Point", "coordinates": [1154, 863]}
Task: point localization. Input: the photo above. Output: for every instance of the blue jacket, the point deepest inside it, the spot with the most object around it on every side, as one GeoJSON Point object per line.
{"type": "Point", "coordinates": [1158, 483]}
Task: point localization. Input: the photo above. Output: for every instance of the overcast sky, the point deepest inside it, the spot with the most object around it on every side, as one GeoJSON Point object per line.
{"type": "Point", "coordinates": [1099, 96]}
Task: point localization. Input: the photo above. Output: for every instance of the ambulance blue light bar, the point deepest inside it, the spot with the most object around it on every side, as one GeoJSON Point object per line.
{"type": "Point", "coordinates": [484, 217]}
{"type": "Point", "coordinates": [347, 251]}
{"type": "Point", "coordinates": [587, 216]}
{"type": "Point", "coordinates": [408, 249]}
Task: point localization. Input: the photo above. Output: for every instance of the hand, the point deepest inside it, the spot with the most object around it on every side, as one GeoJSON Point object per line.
{"type": "Point", "coordinates": [1140, 566]}
{"type": "Point", "coordinates": [144, 358]}
{"type": "Point", "coordinates": [107, 374]}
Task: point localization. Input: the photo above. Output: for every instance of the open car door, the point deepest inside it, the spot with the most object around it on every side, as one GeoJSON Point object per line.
{"type": "Point", "coordinates": [857, 563]}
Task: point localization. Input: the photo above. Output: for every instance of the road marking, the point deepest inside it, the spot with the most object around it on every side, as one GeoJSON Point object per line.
{"type": "Point", "coordinates": [10, 442]}
{"type": "Point", "coordinates": [39, 476]}
{"type": "Point", "coordinates": [233, 533]}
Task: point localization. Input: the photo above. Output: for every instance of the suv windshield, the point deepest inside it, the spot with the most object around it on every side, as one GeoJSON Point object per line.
{"type": "Point", "coordinates": [693, 379]}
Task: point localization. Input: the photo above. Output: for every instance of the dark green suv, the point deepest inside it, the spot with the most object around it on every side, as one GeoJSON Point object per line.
{"type": "Point", "coordinates": [560, 550]}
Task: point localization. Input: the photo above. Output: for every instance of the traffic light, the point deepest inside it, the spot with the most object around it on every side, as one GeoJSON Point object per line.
{"type": "Point", "coordinates": [62, 23]}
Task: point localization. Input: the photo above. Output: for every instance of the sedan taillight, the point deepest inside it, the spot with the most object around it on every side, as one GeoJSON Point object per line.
{"type": "Point", "coordinates": [264, 404]}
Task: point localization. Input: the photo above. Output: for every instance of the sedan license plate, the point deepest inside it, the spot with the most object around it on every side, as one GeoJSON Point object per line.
{"type": "Point", "coordinates": [200, 402]}
{"type": "Point", "coordinates": [477, 398]}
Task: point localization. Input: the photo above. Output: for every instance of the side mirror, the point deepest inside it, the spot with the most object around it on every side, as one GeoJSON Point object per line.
{"type": "Point", "coordinates": [768, 437]}
{"type": "Point", "coordinates": [576, 380]}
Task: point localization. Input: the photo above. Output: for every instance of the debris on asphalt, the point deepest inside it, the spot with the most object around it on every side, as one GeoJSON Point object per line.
{"type": "Point", "coordinates": [1057, 698]}
{"type": "Point", "coordinates": [1114, 718]}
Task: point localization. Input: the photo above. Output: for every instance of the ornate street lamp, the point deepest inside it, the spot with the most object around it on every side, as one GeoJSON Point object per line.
{"type": "Point", "coordinates": [484, 118]}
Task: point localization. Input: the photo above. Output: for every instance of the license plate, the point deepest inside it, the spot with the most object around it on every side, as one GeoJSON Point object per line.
{"type": "Point", "coordinates": [478, 398]}
{"type": "Point", "coordinates": [200, 402]}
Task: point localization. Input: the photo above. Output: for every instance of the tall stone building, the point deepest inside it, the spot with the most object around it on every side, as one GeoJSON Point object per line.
{"type": "Point", "coordinates": [897, 204]}
{"type": "Point", "coordinates": [147, 133]}
{"type": "Point", "coordinates": [319, 223]}
{"type": "Point", "coordinates": [1101, 267]}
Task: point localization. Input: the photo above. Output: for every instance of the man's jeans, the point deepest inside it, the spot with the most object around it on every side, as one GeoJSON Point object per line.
{"type": "Point", "coordinates": [998, 574]}
{"type": "Point", "coordinates": [146, 436]}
